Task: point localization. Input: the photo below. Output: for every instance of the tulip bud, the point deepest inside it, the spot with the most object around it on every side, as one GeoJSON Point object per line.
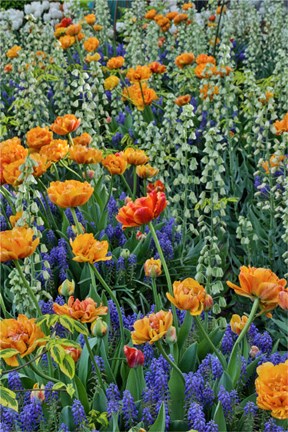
{"type": "Point", "coordinates": [171, 335]}
{"type": "Point", "coordinates": [254, 351]}
{"type": "Point", "coordinates": [152, 267]}
{"type": "Point", "coordinates": [99, 328]}
{"type": "Point", "coordinates": [38, 396]}
{"type": "Point", "coordinates": [75, 229]}
{"type": "Point", "coordinates": [75, 353]}
{"type": "Point", "coordinates": [208, 303]}
{"type": "Point", "coordinates": [140, 235]}
{"type": "Point", "coordinates": [108, 120]}
{"type": "Point", "coordinates": [125, 253]}
{"type": "Point", "coordinates": [283, 299]}
{"type": "Point", "coordinates": [90, 173]}
{"type": "Point", "coordinates": [67, 288]}
{"type": "Point", "coordinates": [133, 356]}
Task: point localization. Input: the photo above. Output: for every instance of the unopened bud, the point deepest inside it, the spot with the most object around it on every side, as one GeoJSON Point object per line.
{"type": "Point", "coordinates": [75, 353]}
{"type": "Point", "coordinates": [208, 302]}
{"type": "Point", "coordinates": [125, 253]}
{"type": "Point", "coordinates": [140, 235]}
{"type": "Point", "coordinates": [171, 335]}
{"type": "Point", "coordinates": [99, 328]}
{"type": "Point", "coordinates": [67, 288]}
{"type": "Point", "coordinates": [254, 351]}
{"type": "Point", "coordinates": [152, 267]}
{"type": "Point", "coordinates": [38, 395]}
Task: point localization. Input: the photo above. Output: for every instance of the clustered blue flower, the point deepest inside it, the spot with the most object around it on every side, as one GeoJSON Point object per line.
{"type": "Point", "coordinates": [113, 397]}
{"type": "Point", "coordinates": [78, 413]}
{"type": "Point", "coordinates": [129, 410]}
{"type": "Point", "coordinates": [228, 401]}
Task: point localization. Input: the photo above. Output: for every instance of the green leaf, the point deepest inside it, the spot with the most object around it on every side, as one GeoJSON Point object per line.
{"type": "Point", "coordinates": [159, 424]}
{"type": "Point", "coordinates": [184, 330]}
{"type": "Point", "coordinates": [135, 382]}
{"type": "Point", "coordinates": [177, 390]}
{"type": "Point", "coordinates": [219, 418]}
{"type": "Point", "coordinates": [80, 328]}
{"type": "Point", "coordinates": [8, 352]}
{"type": "Point", "coordinates": [234, 366]}
{"type": "Point", "coordinates": [8, 398]}
{"type": "Point", "coordinates": [84, 361]}
{"type": "Point", "coordinates": [67, 322]}
{"type": "Point", "coordinates": [59, 385]}
{"type": "Point", "coordinates": [82, 394]}
{"type": "Point", "coordinates": [67, 366]}
{"type": "Point", "coordinates": [70, 390]}
{"type": "Point", "coordinates": [189, 360]}
{"type": "Point", "coordinates": [57, 353]}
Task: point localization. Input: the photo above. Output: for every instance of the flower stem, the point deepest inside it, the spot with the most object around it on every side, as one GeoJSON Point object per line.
{"type": "Point", "coordinates": [27, 286]}
{"type": "Point", "coordinates": [218, 29]}
{"type": "Point", "coordinates": [174, 366]}
{"type": "Point", "coordinates": [114, 298]}
{"type": "Point", "coordinates": [42, 374]}
{"type": "Point", "coordinates": [155, 294]}
{"type": "Point", "coordinates": [77, 224]}
{"type": "Point", "coordinates": [134, 182]}
{"type": "Point", "coordinates": [98, 372]}
{"type": "Point", "coordinates": [127, 185]}
{"type": "Point", "coordinates": [245, 329]}
{"type": "Point", "coordinates": [212, 346]}
{"type": "Point", "coordinates": [166, 271]}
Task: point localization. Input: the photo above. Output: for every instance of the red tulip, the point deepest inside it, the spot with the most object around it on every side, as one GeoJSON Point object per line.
{"type": "Point", "coordinates": [134, 356]}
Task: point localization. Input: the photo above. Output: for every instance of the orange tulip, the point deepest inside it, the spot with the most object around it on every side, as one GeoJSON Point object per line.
{"type": "Point", "coordinates": [75, 353]}
{"type": "Point", "coordinates": [115, 62]}
{"type": "Point", "coordinates": [67, 41]}
{"type": "Point", "coordinates": [84, 139]}
{"type": "Point", "coordinates": [188, 295]}
{"type": "Point", "coordinates": [91, 58]}
{"type": "Point", "coordinates": [180, 18]}
{"type": "Point", "coordinates": [204, 58]}
{"type": "Point", "coordinates": [187, 6]}
{"type": "Point", "coordinates": [151, 14]}
{"type": "Point", "coordinates": [203, 70]}
{"type": "Point", "coordinates": [152, 267]}
{"type": "Point", "coordinates": [55, 151]}
{"type": "Point", "coordinates": [21, 334]}
{"type": "Point", "coordinates": [157, 68]}
{"type": "Point", "coordinates": [135, 156]}
{"type": "Point", "coordinates": [281, 125]}
{"type": "Point", "coordinates": [70, 193]}
{"type": "Point", "coordinates": [73, 29]}
{"type": "Point", "coordinates": [283, 299]}
{"type": "Point", "coordinates": [183, 100]}
{"type": "Point", "coordinates": [275, 161]}
{"type": "Point", "coordinates": [87, 249]}
{"type": "Point", "coordinates": [171, 15]}
{"type": "Point", "coordinates": [11, 172]}
{"type": "Point", "coordinates": [11, 150]}
{"type": "Point", "coordinates": [91, 44]}
{"type": "Point", "coordinates": [139, 73]}
{"type": "Point", "coordinates": [17, 243]}
{"type": "Point", "coordinates": [184, 59]}
{"type": "Point", "coordinates": [42, 164]}
{"type": "Point", "coordinates": [8, 68]}
{"type": "Point", "coordinates": [152, 327]}
{"type": "Point", "coordinates": [146, 171]}
{"type": "Point", "coordinates": [59, 32]}
{"type": "Point", "coordinates": [13, 52]}
{"type": "Point", "coordinates": [272, 389]}
{"type": "Point", "coordinates": [208, 91]}
{"type": "Point", "coordinates": [14, 218]}
{"type": "Point", "coordinates": [259, 283]}
{"type": "Point", "coordinates": [97, 27]}
{"type": "Point", "coordinates": [85, 311]}
{"type": "Point", "coordinates": [85, 155]}
{"type": "Point", "coordinates": [140, 96]}
{"type": "Point", "coordinates": [66, 124]}
{"type": "Point", "coordinates": [111, 82]}
{"type": "Point", "coordinates": [158, 186]}
{"type": "Point", "coordinates": [38, 137]}
{"type": "Point", "coordinates": [237, 323]}
{"type": "Point", "coordinates": [142, 210]}
{"type": "Point", "coordinates": [115, 163]}
{"type": "Point", "coordinates": [90, 19]}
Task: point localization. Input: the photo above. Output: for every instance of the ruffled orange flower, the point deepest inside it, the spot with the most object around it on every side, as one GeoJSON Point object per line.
{"type": "Point", "coordinates": [56, 150]}
{"type": "Point", "coordinates": [188, 295]}
{"type": "Point", "coordinates": [80, 36]}
{"type": "Point", "coordinates": [115, 163]}
{"type": "Point", "coordinates": [151, 14]}
{"type": "Point", "coordinates": [90, 19]}
{"type": "Point", "coordinates": [183, 100]}
{"type": "Point", "coordinates": [98, 27]}
{"type": "Point", "coordinates": [21, 334]}
{"type": "Point", "coordinates": [204, 58]}
{"type": "Point", "coordinates": [91, 58]}
{"type": "Point", "coordinates": [42, 164]}
{"type": "Point", "coordinates": [259, 283]}
{"type": "Point", "coordinates": [157, 68]}
{"type": "Point", "coordinates": [152, 327]}
{"type": "Point", "coordinates": [135, 156]}
{"type": "Point", "coordinates": [180, 18]}
{"type": "Point", "coordinates": [13, 219]}
{"type": "Point", "coordinates": [85, 311]}
{"type": "Point", "coordinates": [208, 91]}
{"type": "Point", "coordinates": [60, 31]}
{"type": "Point", "coordinates": [139, 73]}
{"type": "Point", "coordinates": [11, 150]}
{"type": "Point", "coordinates": [13, 52]}
{"type": "Point", "coordinates": [70, 193]}
{"type": "Point", "coordinates": [143, 210]}
{"type": "Point", "coordinates": [67, 41]}
{"type": "Point", "coordinates": [91, 44]}
{"type": "Point", "coordinates": [187, 6]}
{"type": "Point", "coordinates": [85, 155]}
{"type": "Point", "coordinates": [184, 59]}
{"type": "Point", "coordinates": [171, 15]}
{"type": "Point", "coordinates": [205, 70]}
{"type": "Point", "coordinates": [146, 171]}
{"type": "Point", "coordinates": [152, 267]}
{"type": "Point", "coordinates": [272, 389]}
{"type": "Point", "coordinates": [38, 137]}
{"type": "Point", "coordinates": [66, 124]}
{"type": "Point", "coordinates": [139, 96]}
{"type": "Point", "coordinates": [237, 323]}
{"type": "Point", "coordinates": [84, 139]}
{"type": "Point", "coordinates": [283, 299]}
{"type": "Point", "coordinates": [11, 172]}
{"type": "Point", "coordinates": [275, 161]}
{"type": "Point", "coordinates": [111, 82]}
{"type": "Point", "coordinates": [281, 125]}
{"type": "Point", "coordinates": [87, 249]}
{"type": "Point", "coordinates": [157, 185]}
{"type": "Point", "coordinates": [115, 62]}
{"type": "Point", "coordinates": [163, 22]}
{"type": "Point", "coordinates": [73, 29]}
{"type": "Point", "coordinates": [8, 68]}
{"type": "Point", "coordinates": [17, 243]}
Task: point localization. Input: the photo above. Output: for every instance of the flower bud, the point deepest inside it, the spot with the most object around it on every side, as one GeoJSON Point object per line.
{"type": "Point", "coordinates": [171, 335]}
{"type": "Point", "coordinates": [283, 299]}
{"type": "Point", "coordinates": [208, 303]}
{"type": "Point", "coordinates": [67, 288]}
{"type": "Point", "coordinates": [152, 267]}
{"type": "Point", "coordinates": [140, 235]}
{"type": "Point", "coordinates": [254, 351]}
{"type": "Point", "coordinates": [38, 396]}
{"type": "Point", "coordinates": [133, 356]}
{"type": "Point", "coordinates": [99, 328]}
{"type": "Point", "coordinates": [75, 353]}
{"type": "Point", "coordinates": [125, 253]}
